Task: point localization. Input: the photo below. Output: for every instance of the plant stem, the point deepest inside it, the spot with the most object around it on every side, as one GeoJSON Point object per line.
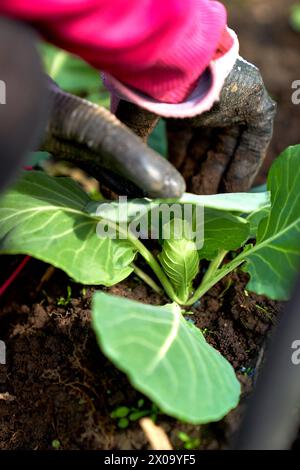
{"type": "Point", "coordinates": [212, 280]}
{"type": "Point", "coordinates": [151, 260]}
{"type": "Point", "coordinates": [147, 255]}
{"type": "Point", "coordinates": [214, 265]}
{"type": "Point", "coordinates": [147, 279]}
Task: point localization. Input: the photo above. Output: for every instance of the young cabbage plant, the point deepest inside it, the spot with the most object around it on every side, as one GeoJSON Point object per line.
{"type": "Point", "coordinates": [179, 259]}
{"type": "Point", "coordinates": [164, 356]}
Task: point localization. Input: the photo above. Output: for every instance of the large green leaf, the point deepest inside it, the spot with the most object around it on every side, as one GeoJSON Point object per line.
{"type": "Point", "coordinates": [44, 217]}
{"type": "Point", "coordinates": [74, 75]}
{"type": "Point", "coordinates": [179, 258]}
{"type": "Point", "coordinates": [275, 259]}
{"type": "Point", "coordinates": [255, 218]}
{"type": "Point", "coordinates": [69, 71]}
{"type": "Point", "coordinates": [166, 358]}
{"type": "Point", "coordinates": [243, 203]}
{"type": "Point", "coordinates": [121, 210]}
{"type": "Point", "coordinates": [222, 231]}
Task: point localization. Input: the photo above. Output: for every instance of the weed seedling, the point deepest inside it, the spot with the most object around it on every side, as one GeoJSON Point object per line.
{"type": "Point", "coordinates": [189, 443]}
{"type": "Point", "coordinates": [55, 444]}
{"type": "Point", "coordinates": [65, 301]}
{"type": "Point", "coordinates": [124, 415]}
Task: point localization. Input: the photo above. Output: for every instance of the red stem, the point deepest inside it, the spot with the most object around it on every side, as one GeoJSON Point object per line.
{"type": "Point", "coordinates": [13, 276]}
{"type": "Point", "coordinates": [23, 263]}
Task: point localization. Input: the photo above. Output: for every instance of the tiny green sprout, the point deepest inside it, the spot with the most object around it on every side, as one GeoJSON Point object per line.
{"type": "Point", "coordinates": [83, 291]}
{"type": "Point", "coordinates": [124, 414]}
{"type": "Point", "coordinates": [64, 301]}
{"type": "Point", "coordinates": [189, 443]}
{"type": "Point", "coordinates": [187, 312]}
{"type": "Point", "coordinates": [120, 412]}
{"type": "Point", "coordinates": [206, 331]}
{"type": "Point", "coordinates": [123, 423]}
{"type": "Point", "coordinates": [55, 444]}
{"type": "Point", "coordinates": [265, 311]}
{"type": "Point", "coordinates": [154, 412]}
{"type": "Point", "coordinates": [138, 414]}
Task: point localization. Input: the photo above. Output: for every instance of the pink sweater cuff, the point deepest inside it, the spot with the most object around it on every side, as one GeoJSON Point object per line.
{"type": "Point", "coordinates": [205, 94]}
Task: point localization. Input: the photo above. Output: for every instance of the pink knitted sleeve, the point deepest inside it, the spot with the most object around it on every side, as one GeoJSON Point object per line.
{"type": "Point", "coordinates": [157, 49]}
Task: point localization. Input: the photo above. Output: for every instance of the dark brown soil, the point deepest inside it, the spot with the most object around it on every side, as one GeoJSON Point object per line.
{"type": "Point", "coordinates": [57, 386]}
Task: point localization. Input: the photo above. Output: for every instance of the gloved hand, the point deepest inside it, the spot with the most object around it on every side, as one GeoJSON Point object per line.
{"type": "Point", "coordinates": [220, 150]}
{"type": "Point", "coordinates": [93, 139]}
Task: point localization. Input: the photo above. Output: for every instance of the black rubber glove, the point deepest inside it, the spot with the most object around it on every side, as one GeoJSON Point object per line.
{"type": "Point", "coordinates": [93, 139]}
{"type": "Point", "coordinates": [221, 150]}
{"type": "Point", "coordinates": [24, 101]}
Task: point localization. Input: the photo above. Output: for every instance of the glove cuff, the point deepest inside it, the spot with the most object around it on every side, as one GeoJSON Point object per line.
{"type": "Point", "coordinates": [205, 94]}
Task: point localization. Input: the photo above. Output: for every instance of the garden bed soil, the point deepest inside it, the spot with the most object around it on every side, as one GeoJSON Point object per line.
{"type": "Point", "coordinates": [57, 387]}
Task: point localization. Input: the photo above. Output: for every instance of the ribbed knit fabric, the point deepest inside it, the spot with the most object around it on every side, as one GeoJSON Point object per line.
{"type": "Point", "coordinates": [206, 91]}
{"type": "Point", "coordinates": [158, 47]}
{"type": "Point", "coordinates": [178, 67]}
